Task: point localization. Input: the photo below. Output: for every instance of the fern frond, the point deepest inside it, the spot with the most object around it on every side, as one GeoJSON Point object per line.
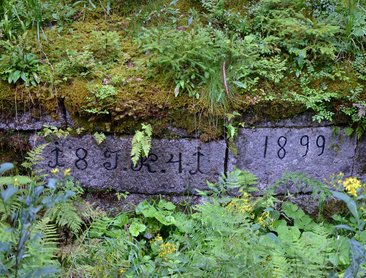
{"type": "Point", "coordinates": [141, 143]}
{"type": "Point", "coordinates": [33, 157]}
{"type": "Point", "coordinates": [66, 215]}
{"type": "Point", "coordinates": [48, 231]}
{"type": "Point", "coordinates": [42, 249]}
{"type": "Point", "coordinates": [280, 264]}
{"type": "Point", "coordinates": [12, 205]}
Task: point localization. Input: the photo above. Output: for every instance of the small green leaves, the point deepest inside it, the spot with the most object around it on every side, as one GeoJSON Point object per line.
{"type": "Point", "coordinates": [99, 137]}
{"type": "Point", "coordinates": [349, 131]}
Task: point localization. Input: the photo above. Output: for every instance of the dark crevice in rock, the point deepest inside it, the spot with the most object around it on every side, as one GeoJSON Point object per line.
{"type": "Point", "coordinates": [226, 158]}
{"type": "Point", "coordinates": [63, 111]}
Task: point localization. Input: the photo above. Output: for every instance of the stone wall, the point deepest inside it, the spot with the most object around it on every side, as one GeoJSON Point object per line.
{"type": "Point", "coordinates": [180, 166]}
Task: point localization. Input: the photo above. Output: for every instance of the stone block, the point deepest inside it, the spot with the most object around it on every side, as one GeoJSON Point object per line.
{"type": "Point", "coordinates": [26, 121]}
{"type": "Point", "coordinates": [172, 167]}
{"type": "Point", "coordinates": [317, 152]}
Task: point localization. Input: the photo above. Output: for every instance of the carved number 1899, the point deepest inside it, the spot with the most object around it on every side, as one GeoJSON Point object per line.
{"type": "Point", "coordinates": [304, 142]}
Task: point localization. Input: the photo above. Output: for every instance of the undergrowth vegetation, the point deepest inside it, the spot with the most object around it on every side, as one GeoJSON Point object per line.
{"type": "Point", "coordinates": [208, 58]}
{"type": "Point", "coordinates": [48, 230]}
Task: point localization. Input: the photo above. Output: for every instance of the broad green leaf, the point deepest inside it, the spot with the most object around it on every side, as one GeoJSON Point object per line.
{"type": "Point", "coordinates": [344, 227]}
{"type": "Point", "coordinates": [166, 205]}
{"type": "Point", "coordinates": [16, 180]}
{"type": "Point", "coordinates": [6, 167]}
{"type": "Point", "coordinates": [15, 76]}
{"type": "Point", "coordinates": [146, 209]}
{"type": "Point", "coordinates": [136, 228]}
{"type": "Point", "coordinates": [120, 220]}
{"type": "Point", "coordinates": [358, 257]}
{"type": "Point", "coordinates": [165, 220]}
{"type": "Point", "coordinates": [52, 183]}
{"type": "Point", "coordinates": [240, 84]}
{"type": "Point", "coordinates": [349, 202]}
{"type": "Point", "coordinates": [8, 193]}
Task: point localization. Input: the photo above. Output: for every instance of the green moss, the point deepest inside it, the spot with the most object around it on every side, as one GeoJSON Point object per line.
{"type": "Point", "coordinates": [147, 96]}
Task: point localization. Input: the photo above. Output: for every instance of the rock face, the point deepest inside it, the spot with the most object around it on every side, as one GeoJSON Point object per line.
{"type": "Point", "coordinates": [317, 152]}
{"type": "Point", "coordinates": [180, 166]}
{"type": "Point", "coordinates": [26, 121]}
{"type": "Point", "coordinates": [172, 167]}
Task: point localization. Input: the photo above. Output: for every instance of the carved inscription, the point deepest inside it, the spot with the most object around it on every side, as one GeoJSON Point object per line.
{"type": "Point", "coordinates": [314, 151]}
{"type": "Point", "coordinates": [57, 152]}
{"type": "Point", "coordinates": [110, 160]}
{"type": "Point", "coordinates": [304, 142]}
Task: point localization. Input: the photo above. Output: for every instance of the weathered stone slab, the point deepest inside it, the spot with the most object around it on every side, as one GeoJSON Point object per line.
{"type": "Point", "coordinates": [359, 168]}
{"type": "Point", "coordinates": [26, 121]}
{"type": "Point", "coordinates": [173, 166]}
{"type": "Point", "coordinates": [317, 152]}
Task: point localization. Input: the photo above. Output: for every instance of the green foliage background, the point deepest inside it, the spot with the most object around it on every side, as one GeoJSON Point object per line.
{"type": "Point", "coordinates": [203, 59]}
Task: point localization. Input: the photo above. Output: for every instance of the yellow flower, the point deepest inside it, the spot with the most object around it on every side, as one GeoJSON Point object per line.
{"type": "Point", "coordinates": [166, 249]}
{"type": "Point", "coordinates": [54, 171]}
{"type": "Point", "coordinates": [67, 172]}
{"type": "Point", "coordinates": [158, 240]}
{"type": "Point", "coordinates": [122, 270]}
{"type": "Point", "coordinates": [241, 204]}
{"type": "Point", "coordinates": [351, 185]}
{"type": "Point", "coordinates": [15, 182]}
{"type": "Point", "coordinates": [263, 219]}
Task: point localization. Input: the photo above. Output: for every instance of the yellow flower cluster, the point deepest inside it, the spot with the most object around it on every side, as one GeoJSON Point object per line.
{"type": "Point", "coordinates": [264, 219]}
{"type": "Point", "coordinates": [54, 171]}
{"type": "Point", "coordinates": [351, 185]}
{"type": "Point", "coordinates": [166, 249]}
{"type": "Point", "coordinates": [157, 239]}
{"type": "Point", "coordinates": [66, 172]}
{"type": "Point", "coordinates": [241, 204]}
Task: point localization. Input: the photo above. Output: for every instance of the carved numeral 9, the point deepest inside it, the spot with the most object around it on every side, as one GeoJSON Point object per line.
{"type": "Point", "coordinates": [320, 143]}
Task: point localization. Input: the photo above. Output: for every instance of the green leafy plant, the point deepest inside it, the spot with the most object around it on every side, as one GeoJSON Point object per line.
{"type": "Point", "coordinates": [106, 46]}
{"type": "Point", "coordinates": [141, 143]}
{"type": "Point", "coordinates": [18, 64]}
{"type": "Point", "coordinates": [53, 131]}
{"type": "Point", "coordinates": [101, 99]}
{"type": "Point", "coordinates": [30, 243]}
{"type": "Point", "coordinates": [352, 193]}
{"type": "Point", "coordinates": [188, 58]}
{"type": "Point", "coordinates": [237, 235]}
{"type": "Point", "coordinates": [75, 64]}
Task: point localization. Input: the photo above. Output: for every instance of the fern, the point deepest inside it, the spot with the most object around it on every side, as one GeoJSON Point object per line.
{"type": "Point", "coordinates": [33, 157]}
{"type": "Point", "coordinates": [41, 252]}
{"type": "Point", "coordinates": [279, 264]}
{"type": "Point", "coordinates": [141, 143]}
{"type": "Point", "coordinates": [66, 215]}
{"type": "Point", "coordinates": [48, 233]}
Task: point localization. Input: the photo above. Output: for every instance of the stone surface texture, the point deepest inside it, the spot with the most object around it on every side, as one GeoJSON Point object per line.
{"type": "Point", "coordinates": [28, 122]}
{"type": "Point", "coordinates": [359, 168]}
{"type": "Point", "coordinates": [173, 166]}
{"type": "Point", "coordinates": [180, 166]}
{"type": "Point", "coordinates": [317, 152]}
